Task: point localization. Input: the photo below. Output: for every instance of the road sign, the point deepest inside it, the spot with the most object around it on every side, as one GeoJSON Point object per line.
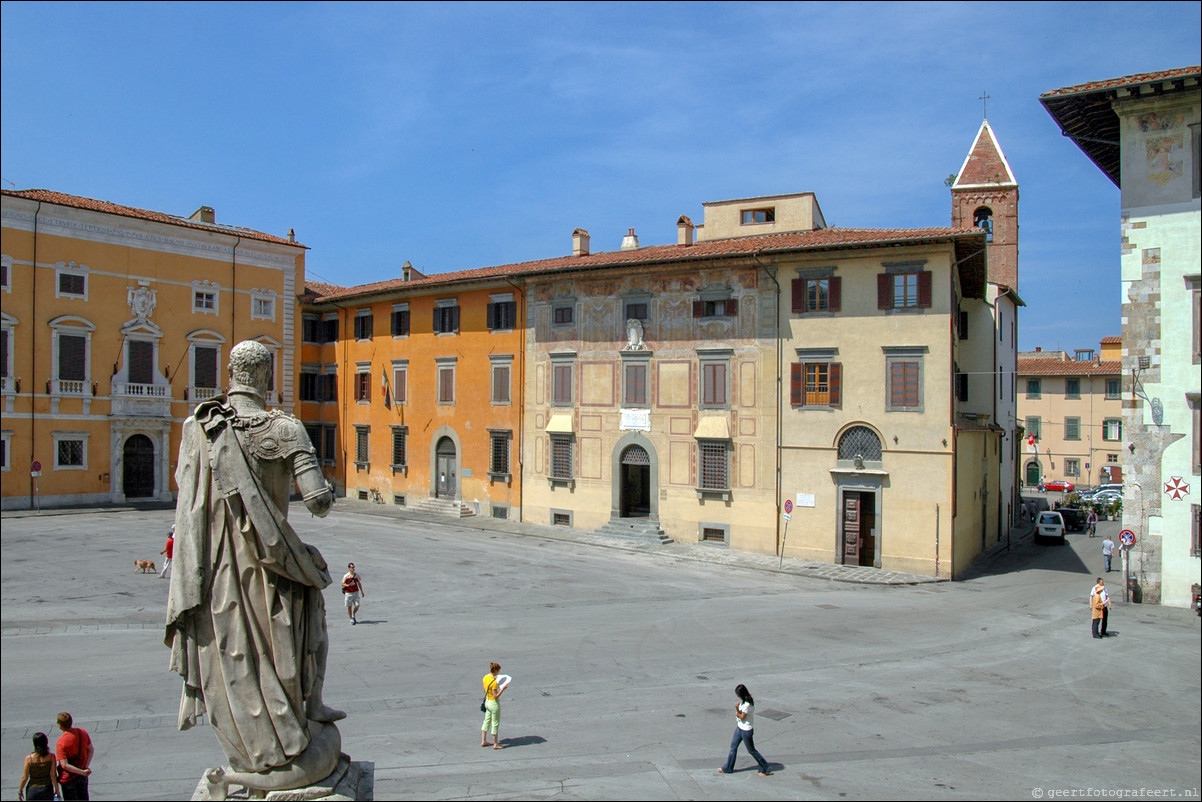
{"type": "Point", "coordinates": [788, 517]}
{"type": "Point", "coordinates": [788, 506]}
{"type": "Point", "coordinates": [36, 466]}
{"type": "Point", "coordinates": [1127, 537]}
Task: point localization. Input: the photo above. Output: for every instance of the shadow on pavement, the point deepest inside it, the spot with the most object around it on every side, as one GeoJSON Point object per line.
{"type": "Point", "coordinates": [524, 740]}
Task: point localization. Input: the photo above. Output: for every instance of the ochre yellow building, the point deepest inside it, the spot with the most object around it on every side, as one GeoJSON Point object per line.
{"type": "Point", "coordinates": [116, 322]}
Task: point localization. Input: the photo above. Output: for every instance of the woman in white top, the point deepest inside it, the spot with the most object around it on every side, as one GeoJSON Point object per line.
{"type": "Point", "coordinates": [744, 732]}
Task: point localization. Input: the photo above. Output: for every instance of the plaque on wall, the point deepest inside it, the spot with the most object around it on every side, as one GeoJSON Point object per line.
{"type": "Point", "coordinates": [635, 420]}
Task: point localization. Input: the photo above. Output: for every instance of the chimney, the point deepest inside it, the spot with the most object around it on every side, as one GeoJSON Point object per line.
{"type": "Point", "coordinates": [204, 214]}
{"type": "Point", "coordinates": [580, 240]}
{"type": "Point", "coordinates": [684, 231]}
{"type": "Point", "coordinates": [292, 235]}
{"type": "Point", "coordinates": [630, 242]}
{"type": "Point", "coordinates": [1038, 349]}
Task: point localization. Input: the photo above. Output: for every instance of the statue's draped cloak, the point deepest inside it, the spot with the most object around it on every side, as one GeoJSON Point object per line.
{"type": "Point", "coordinates": [245, 615]}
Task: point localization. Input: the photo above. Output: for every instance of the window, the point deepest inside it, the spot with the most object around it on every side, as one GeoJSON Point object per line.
{"type": "Point", "coordinates": [364, 323]}
{"type": "Point", "coordinates": [817, 295]}
{"type": "Point", "coordinates": [446, 381]}
{"type": "Point", "coordinates": [70, 451]}
{"type": "Point", "coordinates": [311, 329]}
{"type": "Point", "coordinates": [498, 461]}
{"type": "Point", "coordinates": [6, 266]}
{"type": "Point", "coordinates": [1072, 467]}
{"type": "Point", "coordinates": [330, 329]}
{"type": "Point", "coordinates": [634, 393]}
{"type": "Point", "coordinates": [362, 441]}
{"type": "Point", "coordinates": [961, 382]}
{"type": "Point", "coordinates": [140, 356]}
{"type": "Point", "coordinates": [5, 360]}
{"type": "Point", "coordinates": [1194, 283]}
{"type": "Point", "coordinates": [982, 218]}
{"type": "Point", "coordinates": [329, 439]}
{"type": "Point", "coordinates": [328, 386]}
{"type": "Point", "coordinates": [309, 379]}
{"type": "Point", "coordinates": [72, 365]}
{"type": "Point", "coordinates": [1072, 388]}
{"type": "Point", "coordinates": [1196, 509]}
{"type": "Point", "coordinates": [714, 469]}
{"type": "Point", "coordinates": [71, 280]}
{"type": "Point", "coordinates": [1084, 354]}
{"type": "Point", "coordinates": [400, 442]}
{"type": "Point", "coordinates": [561, 380]}
{"type": "Point", "coordinates": [1195, 404]}
{"type": "Point", "coordinates": [563, 315]}
{"type": "Point", "coordinates": [561, 456]}
{"type": "Point", "coordinates": [1112, 429]}
{"type": "Point", "coordinates": [905, 384]}
{"type": "Point", "coordinates": [501, 370]}
{"type": "Point", "coordinates": [717, 307]}
{"type": "Point", "coordinates": [400, 381]}
{"type": "Point", "coordinates": [859, 444]}
{"type": "Point", "coordinates": [262, 307]}
{"type": "Point", "coordinates": [752, 216]}
{"type": "Point", "coordinates": [1113, 389]}
{"type": "Point", "coordinates": [1072, 428]}
{"type": "Point", "coordinates": [561, 518]}
{"type": "Point", "coordinates": [1034, 427]}
{"type": "Point", "coordinates": [1034, 388]}
{"type": "Point", "coordinates": [638, 310]}
{"type": "Point", "coordinates": [962, 325]}
{"type": "Point", "coordinates": [5, 449]}
{"type": "Point", "coordinates": [363, 384]}
{"type": "Point", "coordinates": [400, 320]}
{"type": "Point", "coordinates": [446, 317]}
{"type": "Point", "coordinates": [204, 301]}
{"type": "Point", "coordinates": [904, 289]}
{"type": "Point", "coordinates": [714, 386]}
{"type": "Point", "coordinates": [715, 533]}
{"type": "Point", "coordinates": [502, 313]}
{"type": "Point", "coordinates": [816, 384]}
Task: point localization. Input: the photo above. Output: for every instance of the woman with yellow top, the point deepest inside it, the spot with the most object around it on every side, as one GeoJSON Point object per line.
{"type": "Point", "coordinates": [494, 686]}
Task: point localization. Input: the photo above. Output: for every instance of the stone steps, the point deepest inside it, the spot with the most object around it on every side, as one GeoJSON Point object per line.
{"type": "Point", "coordinates": [446, 506]}
{"type": "Point", "coordinates": [642, 529]}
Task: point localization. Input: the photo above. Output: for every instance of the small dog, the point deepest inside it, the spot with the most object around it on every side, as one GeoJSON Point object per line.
{"type": "Point", "coordinates": [145, 566]}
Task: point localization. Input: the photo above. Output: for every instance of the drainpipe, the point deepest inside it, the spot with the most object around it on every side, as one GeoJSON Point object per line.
{"type": "Point", "coordinates": [234, 294]}
{"type": "Point", "coordinates": [33, 364]}
{"type": "Point", "coordinates": [521, 395]}
{"type": "Point", "coordinates": [779, 389]}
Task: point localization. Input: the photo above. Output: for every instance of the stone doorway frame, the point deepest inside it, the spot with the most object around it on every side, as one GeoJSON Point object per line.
{"type": "Point", "coordinates": [642, 441]}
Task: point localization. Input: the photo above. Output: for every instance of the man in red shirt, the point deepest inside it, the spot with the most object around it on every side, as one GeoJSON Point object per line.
{"type": "Point", "coordinates": [168, 550]}
{"type": "Point", "coordinates": [74, 751]}
{"type": "Point", "coordinates": [352, 591]}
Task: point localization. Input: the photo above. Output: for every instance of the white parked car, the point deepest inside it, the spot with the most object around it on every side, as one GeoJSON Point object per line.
{"type": "Point", "coordinates": [1049, 526]}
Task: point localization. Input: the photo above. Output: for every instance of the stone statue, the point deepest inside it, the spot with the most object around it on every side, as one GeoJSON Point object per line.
{"type": "Point", "coordinates": [634, 335]}
{"type": "Point", "coordinates": [246, 622]}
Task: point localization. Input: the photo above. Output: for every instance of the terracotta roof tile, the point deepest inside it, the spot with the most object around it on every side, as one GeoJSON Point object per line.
{"type": "Point", "coordinates": [316, 289]}
{"type": "Point", "coordinates": [1126, 80]}
{"type": "Point", "coordinates": [1112, 340]}
{"type": "Point", "coordinates": [822, 239]}
{"type": "Point", "coordinates": [74, 201]}
{"type": "Point", "coordinates": [1068, 367]}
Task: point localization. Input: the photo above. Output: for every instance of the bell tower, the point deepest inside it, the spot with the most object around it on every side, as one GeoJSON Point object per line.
{"type": "Point", "coordinates": [985, 195]}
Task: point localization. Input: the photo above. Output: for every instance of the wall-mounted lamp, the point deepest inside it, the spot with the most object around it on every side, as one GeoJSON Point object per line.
{"type": "Point", "coordinates": [1137, 390]}
{"type": "Point", "coordinates": [894, 439]}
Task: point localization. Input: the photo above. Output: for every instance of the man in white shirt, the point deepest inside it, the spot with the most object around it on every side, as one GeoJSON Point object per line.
{"type": "Point", "coordinates": [1107, 551]}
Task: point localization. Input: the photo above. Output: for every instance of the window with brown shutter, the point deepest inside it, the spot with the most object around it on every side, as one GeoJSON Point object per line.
{"type": "Point", "coordinates": [561, 380]}
{"type": "Point", "coordinates": [816, 384]}
{"type": "Point", "coordinates": [817, 295]}
{"type": "Point", "coordinates": [446, 385]}
{"type": "Point", "coordinates": [400, 322]}
{"type": "Point", "coordinates": [636, 385]}
{"type": "Point", "coordinates": [363, 386]}
{"type": "Point", "coordinates": [713, 384]}
{"type": "Point", "coordinates": [141, 361]}
{"type": "Point", "coordinates": [4, 354]}
{"type": "Point", "coordinates": [903, 384]}
{"type": "Point", "coordinates": [904, 290]}
{"type": "Point", "coordinates": [204, 367]}
{"type": "Point", "coordinates": [72, 357]}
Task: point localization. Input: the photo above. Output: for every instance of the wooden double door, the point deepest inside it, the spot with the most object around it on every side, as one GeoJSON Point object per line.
{"type": "Point", "coordinates": [858, 528]}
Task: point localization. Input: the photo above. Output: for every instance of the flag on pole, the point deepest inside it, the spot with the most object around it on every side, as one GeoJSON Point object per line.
{"type": "Point", "coordinates": [384, 387]}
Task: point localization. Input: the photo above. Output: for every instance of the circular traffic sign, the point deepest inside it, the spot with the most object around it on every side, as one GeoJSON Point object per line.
{"type": "Point", "coordinates": [36, 466]}
{"type": "Point", "coordinates": [1127, 537]}
{"type": "Point", "coordinates": [788, 505]}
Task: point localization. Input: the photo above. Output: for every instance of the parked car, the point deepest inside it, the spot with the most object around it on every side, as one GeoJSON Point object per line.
{"type": "Point", "coordinates": [1059, 484]}
{"type": "Point", "coordinates": [1103, 497]}
{"type": "Point", "coordinates": [1050, 526]}
{"type": "Point", "coordinates": [1074, 519]}
{"type": "Point", "coordinates": [1111, 488]}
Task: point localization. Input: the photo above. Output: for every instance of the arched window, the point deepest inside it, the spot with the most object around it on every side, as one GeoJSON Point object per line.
{"type": "Point", "coordinates": [860, 442]}
{"type": "Point", "coordinates": [983, 218]}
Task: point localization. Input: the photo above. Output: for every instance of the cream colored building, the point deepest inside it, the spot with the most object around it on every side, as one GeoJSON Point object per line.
{"type": "Point", "coordinates": [1143, 132]}
{"type": "Point", "coordinates": [116, 322]}
{"type": "Point", "coordinates": [1071, 404]}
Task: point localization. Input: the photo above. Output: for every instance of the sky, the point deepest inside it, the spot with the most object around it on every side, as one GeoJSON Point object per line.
{"type": "Point", "coordinates": [463, 135]}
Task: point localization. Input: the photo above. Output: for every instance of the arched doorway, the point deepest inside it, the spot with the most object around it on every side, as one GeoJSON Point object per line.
{"type": "Point", "coordinates": [446, 479]}
{"type": "Point", "coordinates": [137, 477]}
{"type": "Point", "coordinates": [1032, 474]}
{"type": "Point", "coordinates": [635, 483]}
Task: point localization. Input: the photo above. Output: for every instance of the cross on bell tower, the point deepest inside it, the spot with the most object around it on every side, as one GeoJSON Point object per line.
{"type": "Point", "coordinates": [984, 98]}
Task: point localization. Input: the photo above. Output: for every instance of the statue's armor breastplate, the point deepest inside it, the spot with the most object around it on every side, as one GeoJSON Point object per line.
{"type": "Point", "coordinates": [274, 435]}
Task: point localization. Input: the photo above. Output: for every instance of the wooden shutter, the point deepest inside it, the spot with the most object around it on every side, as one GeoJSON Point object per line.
{"type": "Point", "coordinates": [884, 291]}
{"type": "Point", "coordinates": [141, 362]}
{"type": "Point", "coordinates": [72, 357]}
{"type": "Point", "coordinates": [204, 367]}
{"type": "Point", "coordinates": [836, 384]}
{"type": "Point", "coordinates": [924, 289]}
{"type": "Point", "coordinates": [698, 308]}
{"type": "Point", "coordinates": [796, 380]}
{"type": "Point", "coordinates": [492, 316]}
{"type": "Point", "coordinates": [4, 354]}
{"type": "Point", "coordinates": [799, 295]}
{"type": "Point", "coordinates": [835, 299]}
{"type": "Point", "coordinates": [732, 307]}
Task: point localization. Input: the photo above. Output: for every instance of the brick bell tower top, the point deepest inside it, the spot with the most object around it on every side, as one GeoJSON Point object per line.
{"type": "Point", "coordinates": [985, 195]}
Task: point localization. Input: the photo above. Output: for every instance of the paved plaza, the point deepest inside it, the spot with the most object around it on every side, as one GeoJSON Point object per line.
{"type": "Point", "coordinates": [624, 660]}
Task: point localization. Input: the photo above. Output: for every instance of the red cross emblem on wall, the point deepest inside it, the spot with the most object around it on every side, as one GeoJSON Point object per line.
{"type": "Point", "coordinates": [1175, 488]}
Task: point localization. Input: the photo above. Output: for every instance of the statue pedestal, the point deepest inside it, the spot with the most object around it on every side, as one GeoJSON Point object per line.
{"type": "Point", "coordinates": [350, 780]}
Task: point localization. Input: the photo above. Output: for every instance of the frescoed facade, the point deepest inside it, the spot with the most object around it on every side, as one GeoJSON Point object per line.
{"type": "Point", "coordinates": [116, 322]}
{"type": "Point", "coordinates": [1142, 131]}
